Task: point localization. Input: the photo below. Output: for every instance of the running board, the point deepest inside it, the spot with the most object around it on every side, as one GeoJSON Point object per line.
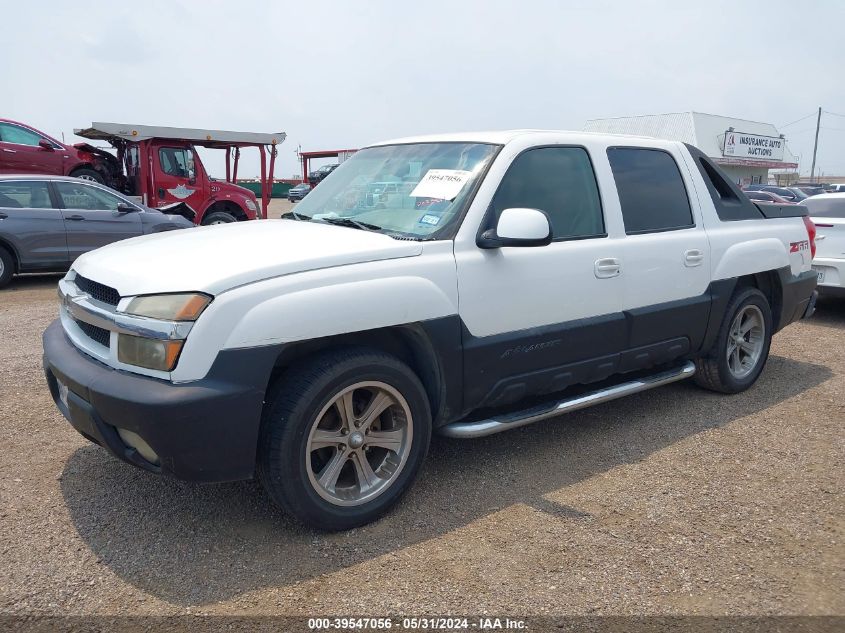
{"type": "Point", "coordinates": [480, 428]}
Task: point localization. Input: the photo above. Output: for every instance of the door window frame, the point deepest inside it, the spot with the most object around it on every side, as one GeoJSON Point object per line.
{"type": "Point", "coordinates": [683, 182]}
{"type": "Point", "coordinates": [52, 194]}
{"type": "Point", "coordinates": [57, 198]}
{"type": "Point", "coordinates": [52, 142]}
{"type": "Point", "coordinates": [489, 219]}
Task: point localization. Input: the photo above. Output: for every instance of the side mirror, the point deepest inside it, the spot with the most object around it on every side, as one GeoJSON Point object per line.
{"type": "Point", "coordinates": [46, 145]}
{"type": "Point", "coordinates": [518, 227]}
{"type": "Point", "coordinates": [123, 207]}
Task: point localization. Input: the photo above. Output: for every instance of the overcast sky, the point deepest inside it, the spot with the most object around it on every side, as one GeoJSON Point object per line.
{"type": "Point", "coordinates": [344, 74]}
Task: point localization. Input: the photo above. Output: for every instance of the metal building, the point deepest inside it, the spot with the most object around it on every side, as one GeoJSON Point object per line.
{"type": "Point", "coordinates": [745, 150]}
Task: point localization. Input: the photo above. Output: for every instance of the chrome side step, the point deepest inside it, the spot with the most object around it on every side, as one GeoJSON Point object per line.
{"type": "Point", "coordinates": [480, 428]}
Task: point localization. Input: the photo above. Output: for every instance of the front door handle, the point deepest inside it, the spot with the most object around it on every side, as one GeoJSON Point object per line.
{"type": "Point", "coordinates": [75, 218]}
{"type": "Point", "coordinates": [693, 257]}
{"type": "Point", "coordinates": [607, 267]}
{"type": "Point", "coordinates": [3, 216]}
{"type": "Point", "coordinates": [10, 151]}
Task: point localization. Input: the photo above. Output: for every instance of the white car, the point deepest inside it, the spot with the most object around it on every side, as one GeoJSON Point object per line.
{"type": "Point", "coordinates": [514, 276]}
{"type": "Point", "coordinates": [827, 211]}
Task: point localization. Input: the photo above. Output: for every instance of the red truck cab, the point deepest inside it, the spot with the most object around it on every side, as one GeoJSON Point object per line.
{"type": "Point", "coordinates": [161, 166]}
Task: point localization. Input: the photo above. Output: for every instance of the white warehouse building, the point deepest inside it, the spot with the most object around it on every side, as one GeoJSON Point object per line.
{"type": "Point", "coordinates": [745, 150]}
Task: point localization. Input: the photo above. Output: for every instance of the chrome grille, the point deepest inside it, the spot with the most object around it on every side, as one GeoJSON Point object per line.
{"type": "Point", "coordinates": [97, 291]}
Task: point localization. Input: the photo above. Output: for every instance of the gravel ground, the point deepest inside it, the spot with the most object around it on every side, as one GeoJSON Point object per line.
{"type": "Point", "coordinates": [675, 501]}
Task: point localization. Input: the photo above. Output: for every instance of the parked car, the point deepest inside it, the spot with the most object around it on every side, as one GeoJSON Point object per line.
{"type": "Point", "coordinates": [827, 211]}
{"type": "Point", "coordinates": [837, 188]}
{"type": "Point", "coordinates": [25, 150]}
{"type": "Point", "coordinates": [767, 196]}
{"type": "Point", "coordinates": [316, 177]}
{"type": "Point", "coordinates": [47, 222]}
{"type": "Point", "coordinates": [783, 192]}
{"type": "Point", "coordinates": [299, 191]}
{"type": "Point", "coordinates": [324, 351]}
{"type": "Point", "coordinates": [809, 190]}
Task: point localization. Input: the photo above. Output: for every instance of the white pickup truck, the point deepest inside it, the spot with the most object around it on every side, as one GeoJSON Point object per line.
{"type": "Point", "coordinates": [463, 284]}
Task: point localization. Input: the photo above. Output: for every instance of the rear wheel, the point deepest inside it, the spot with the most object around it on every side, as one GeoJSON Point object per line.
{"type": "Point", "coordinates": [343, 437]}
{"type": "Point", "coordinates": [89, 174]}
{"type": "Point", "coordinates": [742, 347]}
{"type": "Point", "coordinates": [7, 266]}
{"type": "Point", "coordinates": [218, 217]}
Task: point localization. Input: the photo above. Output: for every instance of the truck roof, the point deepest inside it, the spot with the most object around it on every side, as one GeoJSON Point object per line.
{"type": "Point", "coordinates": [209, 138]}
{"type": "Point", "coordinates": [500, 137]}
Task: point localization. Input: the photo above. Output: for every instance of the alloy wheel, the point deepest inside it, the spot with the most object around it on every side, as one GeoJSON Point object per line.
{"type": "Point", "coordinates": [746, 340]}
{"type": "Point", "coordinates": [359, 443]}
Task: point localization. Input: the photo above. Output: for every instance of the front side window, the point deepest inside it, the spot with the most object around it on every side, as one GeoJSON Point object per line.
{"type": "Point", "coordinates": [417, 190]}
{"type": "Point", "coordinates": [15, 134]}
{"type": "Point", "coordinates": [24, 194]}
{"type": "Point", "coordinates": [177, 161]}
{"type": "Point", "coordinates": [81, 196]}
{"type": "Point", "coordinates": [651, 190]}
{"type": "Point", "coordinates": [559, 181]}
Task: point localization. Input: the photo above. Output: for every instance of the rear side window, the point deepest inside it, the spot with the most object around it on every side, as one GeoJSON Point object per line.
{"type": "Point", "coordinates": [727, 198]}
{"type": "Point", "coordinates": [24, 194]}
{"type": "Point", "coordinates": [651, 190]}
{"type": "Point", "coordinates": [559, 181]}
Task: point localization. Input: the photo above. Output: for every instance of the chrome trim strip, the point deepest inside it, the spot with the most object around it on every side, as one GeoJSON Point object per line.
{"type": "Point", "coordinates": [481, 428]}
{"type": "Point", "coordinates": [83, 308]}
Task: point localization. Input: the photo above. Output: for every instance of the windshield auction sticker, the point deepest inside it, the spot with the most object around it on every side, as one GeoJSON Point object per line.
{"type": "Point", "coordinates": [443, 184]}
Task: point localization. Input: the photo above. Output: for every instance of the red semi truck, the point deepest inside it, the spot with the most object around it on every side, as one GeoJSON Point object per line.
{"type": "Point", "coordinates": [160, 165]}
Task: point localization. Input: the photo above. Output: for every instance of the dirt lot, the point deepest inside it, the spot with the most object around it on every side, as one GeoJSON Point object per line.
{"type": "Point", "coordinates": [675, 501]}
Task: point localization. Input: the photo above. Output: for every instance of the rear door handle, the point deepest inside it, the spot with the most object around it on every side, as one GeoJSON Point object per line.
{"type": "Point", "coordinates": [10, 151]}
{"type": "Point", "coordinates": [607, 267]}
{"type": "Point", "coordinates": [3, 216]}
{"type": "Point", "coordinates": [75, 218]}
{"type": "Point", "coordinates": [693, 257]}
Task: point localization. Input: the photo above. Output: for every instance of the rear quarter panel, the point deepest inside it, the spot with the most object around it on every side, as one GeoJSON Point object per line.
{"type": "Point", "coordinates": [744, 247]}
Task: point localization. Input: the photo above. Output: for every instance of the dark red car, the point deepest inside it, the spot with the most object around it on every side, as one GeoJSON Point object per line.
{"type": "Point", "coordinates": [25, 150]}
{"type": "Point", "coordinates": [767, 196]}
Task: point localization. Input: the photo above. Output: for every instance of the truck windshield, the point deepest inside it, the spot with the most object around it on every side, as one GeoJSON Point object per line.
{"type": "Point", "coordinates": [414, 190]}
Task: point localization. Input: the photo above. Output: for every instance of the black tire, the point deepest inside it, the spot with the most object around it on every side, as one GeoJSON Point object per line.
{"type": "Point", "coordinates": [713, 371]}
{"type": "Point", "coordinates": [292, 406]}
{"type": "Point", "coordinates": [218, 217]}
{"type": "Point", "coordinates": [87, 173]}
{"type": "Point", "coordinates": [7, 267]}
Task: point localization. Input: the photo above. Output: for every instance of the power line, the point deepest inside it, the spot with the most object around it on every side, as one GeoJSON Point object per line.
{"type": "Point", "coordinates": [799, 120]}
{"type": "Point", "coordinates": [834, 113]}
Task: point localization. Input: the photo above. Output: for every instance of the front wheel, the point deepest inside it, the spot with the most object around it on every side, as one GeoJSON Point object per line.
{"type": "Point", "coordinates": [343, 437]}
{"type": "Point", "coordinates": [742, 347]}
{"type": "Point", "coordinates": [218, 217]}
{"type": "Point", "coordinates": [89, 174]}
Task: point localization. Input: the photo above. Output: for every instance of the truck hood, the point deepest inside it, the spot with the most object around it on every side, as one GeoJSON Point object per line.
{"type": "Point", "coordinates": [216, 258]}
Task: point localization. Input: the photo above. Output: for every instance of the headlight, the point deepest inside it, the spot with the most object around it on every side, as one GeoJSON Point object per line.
{"type": "Point", "coordinates": [176, 307]}
{"type": "Point", "coordinates": [148, 352]}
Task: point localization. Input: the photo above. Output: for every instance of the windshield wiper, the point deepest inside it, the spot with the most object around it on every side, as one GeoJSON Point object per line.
{"type": "Point", "coordinates": [352, 224]}
{"type": "Point", "coordinates": [295, 216]}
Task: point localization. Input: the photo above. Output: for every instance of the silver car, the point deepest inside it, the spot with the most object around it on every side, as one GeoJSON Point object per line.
{"type": "Point", "coordinates": [46, 222]}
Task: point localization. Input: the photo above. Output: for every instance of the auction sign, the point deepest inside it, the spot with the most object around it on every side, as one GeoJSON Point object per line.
{"type": "Point", "coordinates": [753, 146]}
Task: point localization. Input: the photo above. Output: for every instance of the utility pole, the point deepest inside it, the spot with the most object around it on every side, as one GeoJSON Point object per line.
{"type": "Point", "coordinates": [816, 144]}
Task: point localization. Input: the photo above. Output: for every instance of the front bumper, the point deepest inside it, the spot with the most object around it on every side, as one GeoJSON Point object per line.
{"type": "Point", "coordinates": [206, 430]}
